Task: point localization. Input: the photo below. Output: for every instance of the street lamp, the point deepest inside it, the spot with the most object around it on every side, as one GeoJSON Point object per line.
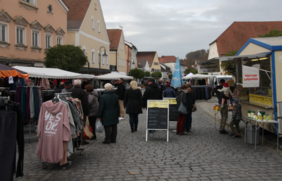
{"type": "Point", "coordinates": [104, 55]}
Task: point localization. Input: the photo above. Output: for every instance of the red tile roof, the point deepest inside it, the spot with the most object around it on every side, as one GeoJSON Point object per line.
{"type": "Point", "coordinates": [167, 59]}
{"type": "Point", "coordinates": [238, 33]}
{"type": "Point", "coordinates": [114, 37]}
{"type": "Point", "coordinates": [146, 56]}
{"type": "Point", "coordinates": [77, 11]}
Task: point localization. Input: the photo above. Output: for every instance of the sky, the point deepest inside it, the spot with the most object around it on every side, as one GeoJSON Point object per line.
{"type": "Point", "coordinates": [177, 27]}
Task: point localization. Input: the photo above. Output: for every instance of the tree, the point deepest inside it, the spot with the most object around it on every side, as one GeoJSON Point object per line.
{"type": "Point", "coordinates": [170, 76]}
{"type": "Point", "coordinates": [190, 70]}
{"type": "Point", "coordinates": [272, 33]}
{"type": "Point", "coordinates": [157, 74]}
{"type": "Point", "coordinates": [66, 57]}
{"type": "Point", "coordinates": [229, 67]}
{"type": "Point", "coordinates": [199, 55]}
{"type": "Point", "coordinates": [147, 74]}
{"type": "Point", "coordinates": [137, 73]}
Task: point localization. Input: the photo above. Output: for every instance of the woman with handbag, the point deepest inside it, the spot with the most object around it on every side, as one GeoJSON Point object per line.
{"type": "Point", "coordinates": [182, 109]}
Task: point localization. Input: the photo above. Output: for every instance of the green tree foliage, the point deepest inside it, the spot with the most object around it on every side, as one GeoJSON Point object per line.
{"type": "Point", "coordinates": [272, 33]}
{"type": "Point", "coordinates": [137, 73]}
{"type": "Point", "coordinates": [190, 70]}
{"type": "Point", "coordinates": [147, 74]}
{"type": "Point", "coordinates": [170, 76]}
{"type": "Point", "coordinates": [66, 57]}
{"type": "Point", "coordinates": [199, 55]}
{"type": "Point", "coordinates": [229, 67]}
{"type": "Point", "coordinates": [157, 74]}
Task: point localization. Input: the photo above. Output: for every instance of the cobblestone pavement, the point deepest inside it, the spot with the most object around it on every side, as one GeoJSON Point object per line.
{"type": "Point", "coordinates": [203, 155]}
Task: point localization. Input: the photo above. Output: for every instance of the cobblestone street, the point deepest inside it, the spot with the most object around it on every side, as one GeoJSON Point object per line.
{"type": "Point", "coordinates": [202, 155]}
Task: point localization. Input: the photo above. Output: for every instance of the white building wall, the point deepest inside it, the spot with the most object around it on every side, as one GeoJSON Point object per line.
{"type": "Point", "coordinates": [213, 52]}
{"type": "Point", "coordinates": [171, 66]}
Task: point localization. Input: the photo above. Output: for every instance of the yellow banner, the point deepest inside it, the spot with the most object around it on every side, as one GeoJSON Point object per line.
{"type": "Point", "coordinates": [157, 104]}
{"type": "Point", "coordinates": [171, 101]}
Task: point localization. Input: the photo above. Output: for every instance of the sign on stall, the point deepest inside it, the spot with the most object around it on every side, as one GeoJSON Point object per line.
{"type": "Point", "coordinates": [157, 116]}
{"type": "Point", "coordinates": [209, 67]}
{"type": "Point", "coordinates": [173, 111]}
{"type": "Point", "coordinates": [250, 76]}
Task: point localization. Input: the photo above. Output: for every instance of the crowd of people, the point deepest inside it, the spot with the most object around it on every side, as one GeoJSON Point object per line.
{"type": "Point", "coordinates": [110, 107]}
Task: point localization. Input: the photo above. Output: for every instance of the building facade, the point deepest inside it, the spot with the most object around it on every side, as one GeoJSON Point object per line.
{"type": "Point", "coordinates": [28, 27]}
{"type": "Point", "coordinates": [118, 50]}
{"type": "Point", "coordinates": [131, 59]}
{"type": "Point", "coordinates": [87, 29]}
{"type": "Point", "coordinates": [152, 58]}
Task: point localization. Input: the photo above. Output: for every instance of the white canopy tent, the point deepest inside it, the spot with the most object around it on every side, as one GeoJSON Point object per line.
{"type": "Point", "coordinates": [199, 76]}
{"type": "Point", "coordinates": [52, 73]}
{"type": "Point", "coordinates": [190, 74]}
{"type": "Point", "coordinates": [114, 76]}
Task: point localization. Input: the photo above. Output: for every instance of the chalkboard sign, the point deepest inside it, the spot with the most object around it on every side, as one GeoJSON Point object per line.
{"type": "Point", "coordinates": [157, 118]}
{"type": "Point", "coordinates": [173, 111]}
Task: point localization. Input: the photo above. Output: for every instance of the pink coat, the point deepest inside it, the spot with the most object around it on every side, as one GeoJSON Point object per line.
{"type": "Point", "coordinates": [53, 129]}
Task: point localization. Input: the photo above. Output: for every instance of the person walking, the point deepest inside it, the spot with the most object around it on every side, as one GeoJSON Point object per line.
{"type": "Point", "coordinates": [109, 114]}
{"type": "Point", "coordinates": [121, 93]}
{"type": "Point", "coordinates": [93, 107]}
{"type": "Point", "coordinates": [68, 87]}
{"type": "Point", "coordinates": [191, 99]}
{"type": "Point", "coordinates": [79, 93]}
{"type": "Point", "coordinates": [133, 103]}
{"type": "Point", "coordinates": [181, 98]}
{"type": "Point", "coordinates": [169, 92]}
{"type": "Point", "coordinates": [60, 87]}
{"type": "Point", "coordinates": [236, 118]}
{"type": "Point", "coordinates": [152, 92]}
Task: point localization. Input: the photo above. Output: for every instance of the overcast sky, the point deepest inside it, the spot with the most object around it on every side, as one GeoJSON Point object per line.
{"type": "Point", "coordinates": [176, 27]}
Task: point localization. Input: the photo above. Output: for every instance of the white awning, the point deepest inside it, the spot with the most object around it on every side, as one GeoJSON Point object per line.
{"type": "Point", "coordinates": [52, 73]}
{"type": "Point", "coordinates": [199, 76]}
{"type": "Point", "coordinates": [114, 76]}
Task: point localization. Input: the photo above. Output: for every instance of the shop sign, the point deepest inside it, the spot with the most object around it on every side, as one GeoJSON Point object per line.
{"type": "Point", "coordinates": [250, 76]}
{"type": "Point", "coordinates": [208, 67]}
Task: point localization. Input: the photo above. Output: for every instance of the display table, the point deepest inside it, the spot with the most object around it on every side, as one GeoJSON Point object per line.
{"type": "Point", "coordinates": [259, 124]}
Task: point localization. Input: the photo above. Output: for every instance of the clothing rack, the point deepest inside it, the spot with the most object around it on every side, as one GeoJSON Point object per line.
{"type": "Point", "coordinates": [4, 88]}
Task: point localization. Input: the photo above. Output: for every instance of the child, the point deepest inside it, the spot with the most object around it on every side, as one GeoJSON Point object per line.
{"type": "Point", "coordinates": [226, 91]}
{"type": "Point", "coordinates": [236, 118]}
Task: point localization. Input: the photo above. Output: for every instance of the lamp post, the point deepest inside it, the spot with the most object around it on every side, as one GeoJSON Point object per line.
{"type": "Point", "coordinates": [104, 55]}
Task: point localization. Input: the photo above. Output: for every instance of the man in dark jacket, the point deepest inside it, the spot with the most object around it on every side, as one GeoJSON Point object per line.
{"type": "Point", "coordinates": [191, 99]}
{"type": "Point", "coordinates": [60, 88]}
{"type": "Point", "coordinates": [169, 92]}
{"type": "Point", "coordinates": [152, 92]}
{"type": "Point", "coordinates": [121, 93]}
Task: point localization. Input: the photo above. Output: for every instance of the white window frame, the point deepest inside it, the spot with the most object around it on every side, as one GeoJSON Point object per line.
{"type": "Point", "coordinates": [51, 40]}
{"type": "Point", "coordinates": [33, 2]}
{"type": "Point", "coordinates": [6, 32]}
{"type": "Point", "coordinates": [93, 23]}
{"type": "Point", "coordinates": [24, 35]}
{"type": "Point", "coordinates": [59, 37]}
{"type": "Point", "coordinates": [93, 57]}
{"type": "Point", "coordinates": [99, 30]}
{"type": "Point", "coordinates": [38, 38]}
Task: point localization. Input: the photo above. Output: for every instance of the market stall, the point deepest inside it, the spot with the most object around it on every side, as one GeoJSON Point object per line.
{"type": "Point", "coordinates": [258, 65]}
{"type": "Point", "coordinates": [114, 76]}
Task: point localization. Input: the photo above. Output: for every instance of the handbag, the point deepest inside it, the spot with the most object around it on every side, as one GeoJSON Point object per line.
{"type": "Point", "coordinates": [87, 131]}
{"type": "Point", "coordinates": [194, 109]}
{"type": "Point", "coordinates": [99, 127]}
{"type": "Point", "coordinates": [182, 109]}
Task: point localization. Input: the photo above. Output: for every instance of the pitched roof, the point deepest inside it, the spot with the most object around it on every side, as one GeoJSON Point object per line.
{"type": "Point", "coordinates": [146, 56]}
{"type": "Point", "coordinates": [164, 68]}
{"type": "Point", "coordinates": [141, 63]}
{"type": "Point", "coordinates": [167, 59]}
{"type": "Point", "coordinates": [114, 36]}
{"type": "Point", "coordinates": [77, 12]}
{"type": "Point", "coordinates": [238, 33]}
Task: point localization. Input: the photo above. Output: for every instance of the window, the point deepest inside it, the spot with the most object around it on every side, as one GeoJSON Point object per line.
{"type": "Point", "coordinates": [93, 57]}
{"type": "Point", "coordinates": [30, 1]}
{"type": "Point", "coordinates": [48, 41]}
{"type": "Point", "coordinates": [98, 26]}
{"type": "Point", "coordinates": [20, 35]}
{"type": "Point", "coordinates": [93, 23]}
{"type": "Point", "coordinates": [107, 60]}
{"type": "Point", "coordinates": [3, 29]}
{"type": "Point", "coordinates": [103, 59]}
{"type": "Point", "coordinates": [35, 38]}
{"type": "Point", "coordinates": [156, 63]}
{"type": "Point", "coordinates": [59, 40]}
